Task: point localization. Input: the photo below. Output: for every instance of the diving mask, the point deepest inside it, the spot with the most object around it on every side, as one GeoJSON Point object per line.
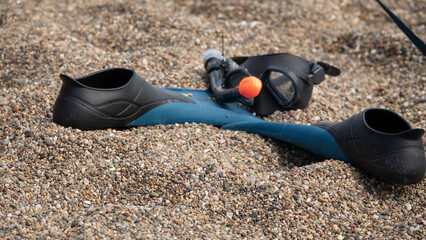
{"type": "Point", "coordinates": [287, 80]}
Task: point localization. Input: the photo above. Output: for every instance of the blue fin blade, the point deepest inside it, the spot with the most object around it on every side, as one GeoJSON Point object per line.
{"type": "Point", "coordinates": [311, 138]}
{"type": "Point", "coordinates": [178, 112]}
{"type": "Point", "coordinates": [205, 97]}
{"type": "Point", "coordinates": [205, 110]}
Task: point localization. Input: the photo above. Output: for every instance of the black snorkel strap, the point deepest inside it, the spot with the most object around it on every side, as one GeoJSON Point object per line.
{"type": "Point", "coordinates": [410, 34]}
{"type": "Point", "coordinates": [329, 70]}
{"type": "Point", "coordinates": [318, 72]}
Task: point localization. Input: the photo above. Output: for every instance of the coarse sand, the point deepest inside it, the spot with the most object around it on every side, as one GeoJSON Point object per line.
{"type": "Point", "coordinates": [195, 181]}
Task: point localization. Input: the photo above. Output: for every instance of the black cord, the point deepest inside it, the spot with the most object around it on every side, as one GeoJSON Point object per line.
{"type": "Point", "coordinates": [410, 34]}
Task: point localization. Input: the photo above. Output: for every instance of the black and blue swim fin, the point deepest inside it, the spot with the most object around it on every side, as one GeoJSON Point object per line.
{"type": "Point", "coordinates": [119, 97]}
{"type": "Point", "coordinates": [377, 141]}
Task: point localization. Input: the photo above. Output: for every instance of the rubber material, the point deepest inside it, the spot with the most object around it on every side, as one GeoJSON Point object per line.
{"type": "Point", "coordinates": [313, 139]}
{"type": "Point", "coordinates": [108, 98]}
{"type": "Point", "coordinates": [265, 103]}
{"type": "Point", "coordinates": [383, 144]}
{"type": "Point", "coordinates": [205, 111]}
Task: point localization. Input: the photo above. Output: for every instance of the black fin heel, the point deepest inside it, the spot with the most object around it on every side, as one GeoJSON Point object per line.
{"type": "Point", "coordinates": [383, 144]}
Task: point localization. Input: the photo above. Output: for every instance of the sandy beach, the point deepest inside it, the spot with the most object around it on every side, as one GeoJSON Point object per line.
{"type": "Point", "coordinates": [196, 181]}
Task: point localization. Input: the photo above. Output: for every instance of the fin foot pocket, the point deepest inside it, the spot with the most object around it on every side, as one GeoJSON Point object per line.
{"type": "Point", "coordinates": [71, 113]}
{"type": "Point", "coordinates": [108, 98]}
{"type": "Point", "coordinates": [383, 144]}
{"type": "Point", "coordinates": [404, 167]}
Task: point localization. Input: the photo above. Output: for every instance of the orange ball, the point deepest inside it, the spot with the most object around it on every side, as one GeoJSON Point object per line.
{"type": "Point", "coordinates": [250, 87]}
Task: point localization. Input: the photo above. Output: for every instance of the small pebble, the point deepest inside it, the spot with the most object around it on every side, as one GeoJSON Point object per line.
{"type": "Point", "coordinates": [408, 206]}
{"type": "Point", "coordinates": [4, 101]}
{"type": "Point", "coordinates": [49, 175]}
{"type": "Point", "coordinates": [154, 194]}
{"type": "Point", "coordinates": [49, 142]}
{"type": "Point", "coordinates": [6, 141]}
{"type": "Point", "coordinates": [22, 177]}
{"type": "Point", "coordinates": [7, 181]}
{"type": "Point", "coordinates": [15, 108]}
{"type": "Point", "coordinates": [74, 224]}
{"type": "Point", "coordinates": [254, 214]}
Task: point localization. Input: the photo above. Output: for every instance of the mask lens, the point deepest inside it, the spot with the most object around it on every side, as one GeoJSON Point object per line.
{"type": "Point", "coordinates": [282, 85]}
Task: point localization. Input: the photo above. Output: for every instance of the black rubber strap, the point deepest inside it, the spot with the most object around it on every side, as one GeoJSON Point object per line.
{"type": "Point", "coordinates": [317, 74]}
{"type": "Point", "coordinates": [329, 70]}
{"type": "Point", "coordinates": [410, 34]}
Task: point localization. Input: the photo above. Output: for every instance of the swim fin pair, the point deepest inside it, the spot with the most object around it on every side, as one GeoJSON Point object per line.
{"type": "Point", "coordinates": [378, 141]}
